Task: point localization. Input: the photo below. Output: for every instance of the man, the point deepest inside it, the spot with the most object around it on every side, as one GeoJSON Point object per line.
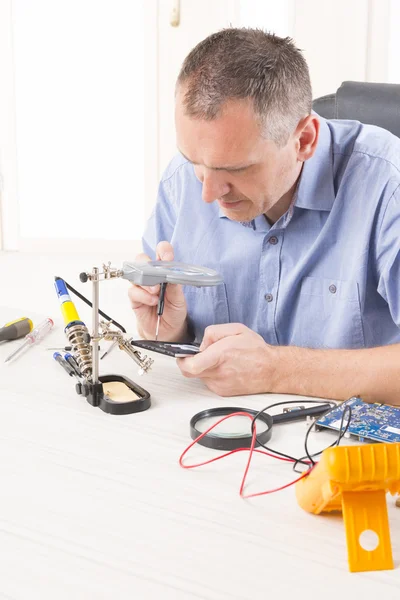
{"type": "Point", "coordinates": [300, 216]}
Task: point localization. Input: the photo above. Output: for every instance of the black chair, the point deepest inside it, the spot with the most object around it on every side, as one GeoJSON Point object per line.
{"type": "Point", "coordinates": [369, 103]}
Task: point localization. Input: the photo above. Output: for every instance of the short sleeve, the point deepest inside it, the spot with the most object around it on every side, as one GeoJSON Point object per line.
{"type": "Point", "coordinates": [388, 256]}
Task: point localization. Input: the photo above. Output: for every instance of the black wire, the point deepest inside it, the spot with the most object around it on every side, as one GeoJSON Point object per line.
{"type": "Point", "coordinates": [103, 314]}
{"type": "Point", "coordinates": [335, 443]}
{"type": "Point", "coordinates": [342, 432]}
{"type": "Point", "coordinates": [308, 459]}
{"type": "Point", "coordinates": [295, 460]}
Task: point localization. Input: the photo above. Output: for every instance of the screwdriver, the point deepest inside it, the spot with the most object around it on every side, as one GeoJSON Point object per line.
{"type": "Point", "coordinates": [33, 337]}
{"type": "Point", "coordinates": [15, 329]}
{"type": "Point", "coordinates": [160, 306]}
{"type": "Point", "coordinates": [64, 364]}
{"type": "Point", "coordinates": [69, 358]}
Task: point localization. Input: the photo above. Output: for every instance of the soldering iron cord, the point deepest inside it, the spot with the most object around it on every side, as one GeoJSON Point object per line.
{"type": "Point", "coordinates": [305, 460]}
{"type": "Point", "coordinates": [103, 314]}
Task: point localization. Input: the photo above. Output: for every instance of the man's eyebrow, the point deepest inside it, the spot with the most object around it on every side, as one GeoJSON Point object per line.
{"type": "Point", "coordinates": [227, 168]}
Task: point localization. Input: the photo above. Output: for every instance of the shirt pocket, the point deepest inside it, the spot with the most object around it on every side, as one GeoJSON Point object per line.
{"type": "Point", "coordinates": [206, 306]}
{"type": "Point", "coordinates": [327, 314]}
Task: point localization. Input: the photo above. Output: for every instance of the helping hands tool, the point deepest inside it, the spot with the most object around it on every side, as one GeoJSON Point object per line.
{"type": "Point", "coordinates": [85, 346]}
{"type": "Point", "coordinates": [164, 272]}
{"type": "Point", "coordinates": [35, 336]}
{"type": "Point", "coordinates": [15, 329]}
{"type": "Point", "coordinates": [83, 361]}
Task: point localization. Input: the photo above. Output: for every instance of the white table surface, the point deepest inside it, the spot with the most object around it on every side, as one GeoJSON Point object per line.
{"type": "Point", "coordinates": [95, 506]}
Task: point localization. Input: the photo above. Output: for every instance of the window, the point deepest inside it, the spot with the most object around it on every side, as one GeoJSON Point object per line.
{"type": "Point", "coordinates": [80, 115]}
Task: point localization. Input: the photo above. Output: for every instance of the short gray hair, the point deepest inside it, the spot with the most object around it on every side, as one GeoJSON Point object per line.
{"type": "Point", "coordinates": [239, 63]}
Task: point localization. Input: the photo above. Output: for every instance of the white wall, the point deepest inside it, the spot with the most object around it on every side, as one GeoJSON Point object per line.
{"type": "Point", "coordinates": [277, 17]}
{"type": "Point", "coordinates": [393, 72]}
{"type": "Point", "coordinates": [334, 37]}
{"type": "Point", "coordinates": [79, 69]}
{"type": "Point", "coordinates": [8, 150]}
{"type": "Point", "coordinates": [341, 40]}
{"type": "Point", "coordinates": [86, 109]}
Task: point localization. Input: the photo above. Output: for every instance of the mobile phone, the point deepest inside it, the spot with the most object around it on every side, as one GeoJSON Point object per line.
{"type": "Point", "coordinates": [174, 349]}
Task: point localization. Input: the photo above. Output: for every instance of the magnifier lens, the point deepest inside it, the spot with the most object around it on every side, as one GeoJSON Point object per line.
{"type": "Point", "coordinates": [234, 427]}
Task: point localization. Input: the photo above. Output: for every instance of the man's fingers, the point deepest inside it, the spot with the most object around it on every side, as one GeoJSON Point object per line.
{"type": "Point", "coordinates": [135, 296]}
{"type": "Point", "coordinates": [174, 295]}
{"type": "Point", "coordinates": [164, 251]}
{"type": "Point", "coordinates": [142, 257]}
{"type": "Point", "coordinates": [140, 296]}
{"type": "Point", "coordinates": [212, 349]}
{"type": "Point", "coordinates": [194, 366]}
{"type": "Point", "coordinates": [214, 333]}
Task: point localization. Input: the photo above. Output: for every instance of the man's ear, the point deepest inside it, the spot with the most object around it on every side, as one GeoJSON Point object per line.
{"type": "Point", "coordinates": [307, 132]}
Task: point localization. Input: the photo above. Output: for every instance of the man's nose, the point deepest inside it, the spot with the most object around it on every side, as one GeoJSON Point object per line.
{"type": "Point", "coordinates": [213, 188]}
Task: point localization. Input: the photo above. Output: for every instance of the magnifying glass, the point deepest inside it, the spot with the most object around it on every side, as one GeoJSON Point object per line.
{"type": "Point", "coordinates": [157, 271]}
{"type": "Point", "coordinates": [232, 433]}
{"type": "Point", "coordinates": [236, 432]}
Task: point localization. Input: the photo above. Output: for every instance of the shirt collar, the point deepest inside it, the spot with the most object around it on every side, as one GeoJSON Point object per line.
{"type": "Point", "coordinates": [315, 190]}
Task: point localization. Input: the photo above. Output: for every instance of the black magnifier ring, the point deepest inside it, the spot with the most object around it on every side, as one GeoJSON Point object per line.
{"type": "Point", "coordinates": [230, 443]}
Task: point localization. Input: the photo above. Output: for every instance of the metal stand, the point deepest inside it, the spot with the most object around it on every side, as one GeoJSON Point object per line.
{"type": "Point", "coordinates": [92, 386]}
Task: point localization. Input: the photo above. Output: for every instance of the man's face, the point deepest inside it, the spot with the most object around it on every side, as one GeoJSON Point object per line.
{"type": "Point", "coordinates": [244, 172]}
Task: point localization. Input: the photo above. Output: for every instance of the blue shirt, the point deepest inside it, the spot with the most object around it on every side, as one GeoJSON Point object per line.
{"type": "Point", "coordinates": [326, 274]}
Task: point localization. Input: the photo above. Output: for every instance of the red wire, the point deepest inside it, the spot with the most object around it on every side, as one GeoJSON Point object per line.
{"type": "Point", "coordinates": [207, 462]}
{"type": "Point", "coordinates": [251, 450]}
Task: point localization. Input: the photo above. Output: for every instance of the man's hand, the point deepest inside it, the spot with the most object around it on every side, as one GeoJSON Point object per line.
{"type": "Point", "coordinates": [234, 360]}
{"type": "Point", "coordinates": [144, 300]}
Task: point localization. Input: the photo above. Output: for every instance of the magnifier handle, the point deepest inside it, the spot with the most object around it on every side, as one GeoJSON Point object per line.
{"type": "Point", "coordinates": [301, 413]}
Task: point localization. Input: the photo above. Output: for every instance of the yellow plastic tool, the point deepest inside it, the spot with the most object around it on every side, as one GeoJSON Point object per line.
{"type": "Point", "coordinates": [69, 312]}
{"type": "Point", "coordinates": [355, 479]}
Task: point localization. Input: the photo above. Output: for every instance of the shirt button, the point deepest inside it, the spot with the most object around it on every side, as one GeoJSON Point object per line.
{"type": "Point", "coordinates": [269, 297]}
{"type": "Point", "coordinates": [332, 289]}
{"type": "Point", "coordinates": [273, 240]}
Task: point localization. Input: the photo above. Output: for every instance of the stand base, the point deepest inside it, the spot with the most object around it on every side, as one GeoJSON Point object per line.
{"type": "Point", "coordinates": [96, 395]}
